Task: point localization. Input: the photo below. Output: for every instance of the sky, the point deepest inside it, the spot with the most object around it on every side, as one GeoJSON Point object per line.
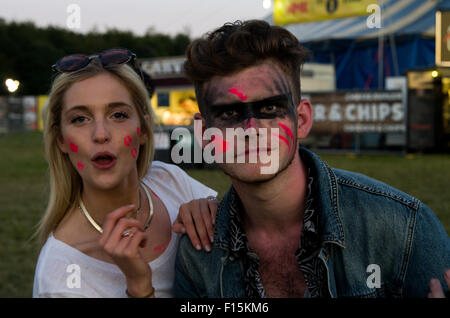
{"type": "Point", "coordinates": [194, 17]}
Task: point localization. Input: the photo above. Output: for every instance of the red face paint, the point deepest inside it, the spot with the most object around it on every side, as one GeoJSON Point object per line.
{"type": "Point", "coordinates": [287, 130]}
{"type": "Point", "coordinates": [80, 165]}
{"type": "Point", "coordinates": [283, 139]}
{"type": "Point", "coordinates": [134, 153]}
{"type": "Point", "coordinates": [250, 123]}
{"type": "Point", "coordinates": [220, 144]}
{"type": "Point", "coordinates": [138, 130]}
{"type": "Point", "coordinates": [160, 248]}
{"type": "Point", "coordinates": [73, 147]}
{"type": "Point", "coordinates": [238, 93]}
{"type": "Point", "coordinates": [127, 141]}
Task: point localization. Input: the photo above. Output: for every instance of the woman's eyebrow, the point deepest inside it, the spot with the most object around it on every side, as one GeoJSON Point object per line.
{"type": "Point", "coordinates": [77, 107]}
{"type": "Point", "coordinates": [87, 108]}
{"type": "Point", "coordinates": [119, 104]}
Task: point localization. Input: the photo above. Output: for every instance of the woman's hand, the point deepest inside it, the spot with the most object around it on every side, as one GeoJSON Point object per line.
{"type": "Point", "coordinates": [436, 288]}
{"type": "Point", "coordinates": [196, 218]}
{"type": "Point", "coordinates": [121, 240]}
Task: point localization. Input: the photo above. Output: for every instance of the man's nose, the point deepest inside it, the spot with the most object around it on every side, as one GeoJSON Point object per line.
{"type": "Point", "coordinates": [250, 123]}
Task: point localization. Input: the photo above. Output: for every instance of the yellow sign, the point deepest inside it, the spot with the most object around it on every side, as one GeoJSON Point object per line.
{"type": "Point", "coordinates": [443, 38]}
{"type": "Point", "coordinates": [297, 11]}
{"type": "Point", "coordinates": [41, 101]}
{"type": "Point", "coordinates": [175, 107]}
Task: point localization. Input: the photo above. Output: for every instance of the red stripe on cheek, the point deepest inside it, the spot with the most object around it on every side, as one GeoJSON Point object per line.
{"type": "Point", "coordinates": [220, 144]}
{"type": "Point", "coordinates": [287, 130]}
{"type": "Point", "coordinates": [138, 130]}
{"type": "Point", "coordinates": [283, 139]}
{"type": "Point", "coordinates": [80, 166]}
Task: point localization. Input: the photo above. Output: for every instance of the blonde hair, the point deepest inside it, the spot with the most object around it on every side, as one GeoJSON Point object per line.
{"type": "Point", "coordinates": [65, 182]}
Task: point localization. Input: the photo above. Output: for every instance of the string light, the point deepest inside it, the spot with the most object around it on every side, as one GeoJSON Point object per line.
{"type": "Point", "coordinates": [267, 4]}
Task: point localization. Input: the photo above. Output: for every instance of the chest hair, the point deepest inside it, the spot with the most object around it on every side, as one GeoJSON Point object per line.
{"type": "Point", "coordinates": [280, 273]}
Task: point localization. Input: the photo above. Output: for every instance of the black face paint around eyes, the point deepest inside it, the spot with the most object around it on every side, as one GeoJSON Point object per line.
{"type": "Point", "coordinates": [270, 108]}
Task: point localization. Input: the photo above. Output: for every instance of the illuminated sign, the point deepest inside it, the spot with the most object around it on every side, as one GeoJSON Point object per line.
{"type": "Point", "coordinates": [443, 38]}
{"type": "Point", "coordinates": [297, 11]}
{"type": "Point", "coordinates": [357, 112]}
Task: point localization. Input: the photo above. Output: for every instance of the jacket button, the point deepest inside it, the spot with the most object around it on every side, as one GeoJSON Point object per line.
{"type": "Point", "coordinates": [231, 258]}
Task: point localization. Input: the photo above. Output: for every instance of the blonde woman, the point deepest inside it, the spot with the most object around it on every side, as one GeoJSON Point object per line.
{"type": "Point", "coordinates": [107, 228]}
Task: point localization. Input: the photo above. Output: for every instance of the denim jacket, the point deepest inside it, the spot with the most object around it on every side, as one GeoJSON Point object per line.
{"type": "Point", "coordinates": [376, 242]}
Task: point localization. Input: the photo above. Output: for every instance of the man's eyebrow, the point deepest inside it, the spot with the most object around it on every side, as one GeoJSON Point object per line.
{"type": "Point", "coordinates": [86, 108]}
{"type": "Point", "coordinates": [262, 101]}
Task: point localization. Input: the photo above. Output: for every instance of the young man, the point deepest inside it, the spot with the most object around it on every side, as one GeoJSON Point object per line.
{"type": "Point", "coordinates": [305, 230]}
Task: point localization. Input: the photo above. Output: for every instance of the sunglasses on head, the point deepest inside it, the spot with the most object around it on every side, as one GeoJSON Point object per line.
{"type": "Point", "coordinates": [75, 62]}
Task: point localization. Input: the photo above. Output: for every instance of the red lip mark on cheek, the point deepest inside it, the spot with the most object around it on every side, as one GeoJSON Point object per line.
{"type": "Point", "coordinates": [127, 141]}
{"type": "Point", "coordinates": [73, 147]}
{"type": "Point", "coordinates": [238, 93]}
{"type": "Point", "coordinates": [80, 166]}
{"type": "Point", "coordinates": [134, 153]}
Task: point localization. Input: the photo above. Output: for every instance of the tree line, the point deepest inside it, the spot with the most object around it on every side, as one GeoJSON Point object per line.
{"type": "Point", "coordinates": [27, 52]}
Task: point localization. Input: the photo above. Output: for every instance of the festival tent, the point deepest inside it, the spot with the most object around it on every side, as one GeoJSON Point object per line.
{"type": "Point", "coordinates": [405, 39]}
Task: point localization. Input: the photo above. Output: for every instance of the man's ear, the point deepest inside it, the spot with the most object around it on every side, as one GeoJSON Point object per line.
{"type": "Point", "coordinates": [62, 145]}
{"type": "Point", "coordinates": [199, 129]}
{"type": "Point", "coordinates": [305, 118]}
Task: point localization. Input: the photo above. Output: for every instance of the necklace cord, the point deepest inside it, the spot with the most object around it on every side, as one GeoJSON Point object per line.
{"type": "Point", "coordinates": [100, 229]}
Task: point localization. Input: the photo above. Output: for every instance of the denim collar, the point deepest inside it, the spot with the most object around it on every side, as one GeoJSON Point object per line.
{"type": "Point", "coordinates": [331, 227]}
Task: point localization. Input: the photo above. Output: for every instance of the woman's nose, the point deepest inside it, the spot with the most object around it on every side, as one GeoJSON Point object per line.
{"type": "Point", "coordinates": [101, 133]}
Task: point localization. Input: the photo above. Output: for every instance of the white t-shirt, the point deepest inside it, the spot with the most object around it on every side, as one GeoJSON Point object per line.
{"type": "Point", "coordinates": [63, 271]}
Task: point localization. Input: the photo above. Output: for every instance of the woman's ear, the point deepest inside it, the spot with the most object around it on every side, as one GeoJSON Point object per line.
{"type": "Point", "coordinates": [305, 118]}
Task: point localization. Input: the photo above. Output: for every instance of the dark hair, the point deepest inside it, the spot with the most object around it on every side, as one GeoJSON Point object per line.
{"type": "Point", "coordinates": [239, 45]}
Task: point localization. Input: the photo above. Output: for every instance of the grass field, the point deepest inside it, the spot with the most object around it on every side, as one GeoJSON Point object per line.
{"type": "Point", "coordinates": [23, 195]}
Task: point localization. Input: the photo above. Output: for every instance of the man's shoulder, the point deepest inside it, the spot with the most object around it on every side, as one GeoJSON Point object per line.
{"type": "Point", "coordinates": [354, 188]}
{"type": "Point", "coordinates": [199, 263]}
{"type": "Point", "coordinates": [186, 249]}
{"type": "Point", "coordinates": [359, 186]}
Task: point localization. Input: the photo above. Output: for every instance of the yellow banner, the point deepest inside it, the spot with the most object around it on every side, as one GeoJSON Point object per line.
{"type": "Point", "coordinates": [298, 11]}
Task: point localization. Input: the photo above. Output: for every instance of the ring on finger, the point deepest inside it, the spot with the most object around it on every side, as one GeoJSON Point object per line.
{"type": "Point", "coordinates": [127, 232]}
{"type": "Point", "coordinates": [211, 198]}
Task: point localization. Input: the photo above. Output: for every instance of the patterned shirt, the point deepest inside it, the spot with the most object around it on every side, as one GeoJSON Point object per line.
{"type": "Point", "coordinates": [310, 264]}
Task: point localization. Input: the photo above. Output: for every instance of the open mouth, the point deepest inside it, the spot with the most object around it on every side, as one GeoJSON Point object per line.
{"type": "Point", "coordinates": [104, 160]}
